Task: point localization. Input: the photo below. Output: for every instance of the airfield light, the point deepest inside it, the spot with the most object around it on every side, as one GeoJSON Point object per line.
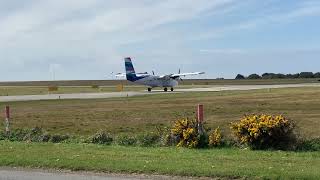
{"type": "Point", "coordinates": [200, 119]}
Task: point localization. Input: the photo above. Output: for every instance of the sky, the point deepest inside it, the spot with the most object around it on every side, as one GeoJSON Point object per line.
{"type": "Point", "coordinates": [88, 39]}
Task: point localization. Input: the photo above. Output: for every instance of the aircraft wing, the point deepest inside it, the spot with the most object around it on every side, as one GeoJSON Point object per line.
{"type": "Point", "coordinates": [186, 74]}
{"type": "Point", "coordinates": [174, 76]}
{"type": "Point", "coordinates": [119, 75]}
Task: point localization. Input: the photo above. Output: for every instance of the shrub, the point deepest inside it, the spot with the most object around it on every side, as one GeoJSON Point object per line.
{"type": "Point", "coordinates": [264, 131]}
{"type": "Point", "coordinates": [149, 139]}
{"type": "Point", "coordinates": [185, 132]}
{"type": "Point", "coordinates": [45, 137]}
{"type": "Point", "coordinates": [3, 136]}
{"type": "Point", "coordinates": [36, 135]}
{"type": "Point", "coordinates": [215, 138]}
{"type": "Point", "coordinates": [57, 138]}
{"type": "Point", "coordinates": [101, 138]}
{"type": "Point", "coordinates": [125, 140]}
{"type": "Point", "coordinates": [17, 135]}
{"type": "Point", "coordinates": [309, 145]}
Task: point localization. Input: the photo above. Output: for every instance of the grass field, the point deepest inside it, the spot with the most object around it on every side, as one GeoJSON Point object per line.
{"type": "Point", "coordinates": [41, 90]}
{"type": "Point", "coordinates": [41, 87]}
{"type": "Point", "coordinates": [227, 163]}
{"type": "Point", "coordinates": [38, 90]}
{"type": "Point", "coordinates": [143, 114]}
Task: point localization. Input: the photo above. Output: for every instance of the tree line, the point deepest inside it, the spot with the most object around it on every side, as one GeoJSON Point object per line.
{"type": "Point", "coordinates": [280, 76]}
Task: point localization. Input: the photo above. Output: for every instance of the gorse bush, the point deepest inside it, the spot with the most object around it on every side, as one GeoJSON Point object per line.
{"type": "Point", "coordinates": [185, 132]}
{"type": "Point", "coordinates": [36, 135]}
{"type": "Point", "coordinates": [32, 135]}
{"type": "Point", "coordinates": [101, 138]}
{"type": "Point", "coordinates": [126, 140]}
{"type": "Point", "coordinates": [58, 138]}
{"type": "Point", "coordinates": [215, 138]}
{"type": "Point", "coordinates": [148, 139]}
{"type": "Point", "coordinates": [264, 131]}
{"type": "Point", "coordinates": [309, 145]}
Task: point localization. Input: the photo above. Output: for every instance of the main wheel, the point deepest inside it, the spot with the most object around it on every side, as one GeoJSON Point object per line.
{"type": "Point", "coordinates": [149, 89]}
{"type": "Point", "coordinates": [165, 89]}
{"type": "Point", "coordinates": [172, 89]}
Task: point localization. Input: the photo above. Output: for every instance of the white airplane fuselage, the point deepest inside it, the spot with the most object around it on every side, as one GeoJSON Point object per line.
{"type": "Point", "coordinates": [170, 80]}
{"type": "Point", "coordinates": [156, 81]}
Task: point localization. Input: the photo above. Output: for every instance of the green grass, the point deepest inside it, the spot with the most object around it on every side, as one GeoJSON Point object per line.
{"type": "Point", "coordinates": [172, 161]}
{"type": "Point", "coordinates": [145, 113]}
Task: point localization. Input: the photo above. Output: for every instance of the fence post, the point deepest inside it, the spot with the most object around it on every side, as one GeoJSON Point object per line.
{"type": "Point", "coordinates": [200, 119]}
{"type": "Point", "coordinates": [7, 120]}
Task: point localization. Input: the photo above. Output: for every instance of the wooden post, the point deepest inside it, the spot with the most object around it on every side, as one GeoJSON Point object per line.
{"type": "Point", "coordinates": [7, 115]}
{"type": "Point", "coordinates": [200, 118]}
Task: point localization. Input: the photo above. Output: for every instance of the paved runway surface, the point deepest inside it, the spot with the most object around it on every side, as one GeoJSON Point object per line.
{"type": "Point", "coordinates": [139, 93]}
{"type": "Point", "coordinates": [26, 174]}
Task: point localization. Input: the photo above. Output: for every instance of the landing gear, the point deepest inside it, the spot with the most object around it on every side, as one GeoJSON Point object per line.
{"type": "Point", "coordinates": [165, 89]}
{"type": "Point", "coordinates": [172, 89]}
{"type": "Point", "coordinates": [149, 89]}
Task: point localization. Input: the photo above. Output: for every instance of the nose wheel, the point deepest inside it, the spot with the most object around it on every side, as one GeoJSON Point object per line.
{"type": "Point", "coordinates": [149, 89]}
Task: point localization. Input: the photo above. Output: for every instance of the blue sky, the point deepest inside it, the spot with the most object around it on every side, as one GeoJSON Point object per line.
{"type": "Point", "coordinates": [88, 39]}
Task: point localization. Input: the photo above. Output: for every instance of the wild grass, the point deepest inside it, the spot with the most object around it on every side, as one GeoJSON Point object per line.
{"type": "Point", "coordinates": [147, 113]}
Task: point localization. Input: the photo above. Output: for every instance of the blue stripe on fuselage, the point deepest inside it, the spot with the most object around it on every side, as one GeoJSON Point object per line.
{"type": "Point", "coordinates": [132, 77]}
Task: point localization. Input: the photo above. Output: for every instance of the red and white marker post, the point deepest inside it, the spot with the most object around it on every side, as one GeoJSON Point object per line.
{"type": "Point", "coordinates": [7, 115]}
{"type": "Point", "coordinates": [200, 118]}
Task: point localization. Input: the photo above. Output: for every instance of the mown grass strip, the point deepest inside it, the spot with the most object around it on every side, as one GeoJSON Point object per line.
{"type": "Point", "coordinates": [171, 161]}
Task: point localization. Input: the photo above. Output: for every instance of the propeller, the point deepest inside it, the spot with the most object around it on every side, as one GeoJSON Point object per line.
{"type": "Point", "coordinates": [179, 76]}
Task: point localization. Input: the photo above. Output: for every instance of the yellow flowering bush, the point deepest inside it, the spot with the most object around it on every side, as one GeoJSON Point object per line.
{"type": "Point", "coordinates": [215, 138]}
{"type": "Point", "coordinates": [264, 131]}
{"type": "Point", "coordinates": [186, 133]}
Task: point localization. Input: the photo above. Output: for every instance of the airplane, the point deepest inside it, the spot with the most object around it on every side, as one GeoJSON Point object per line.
{"type": "Point", "coordinates": [152, 81]}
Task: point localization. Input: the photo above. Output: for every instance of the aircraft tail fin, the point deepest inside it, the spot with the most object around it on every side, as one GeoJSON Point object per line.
{"type": "Point", "coordinates": [130, 72]}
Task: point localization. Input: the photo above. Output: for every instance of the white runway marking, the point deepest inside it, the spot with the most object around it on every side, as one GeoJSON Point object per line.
{"type": "Point", "coordinates": [139, 93]}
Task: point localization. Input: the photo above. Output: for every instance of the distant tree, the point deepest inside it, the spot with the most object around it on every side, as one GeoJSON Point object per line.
{"type": "Point", "coordinates": [280, 76]}
{"type": "Point", "coordinates": [317, 75]}
{"type": "Point", "coordinates": [267, 75]}
{"type": "Point", "coordinates": [273, 76]}
{"type": "Point", "coordinates": [254, 76]}
{"type": "Point", "coordinates": [306, 75]}
{"type": "Point", "coordinates": [295, 76]}
{"type": "Point", "coordinates": [289, 76]}
{"type": "Point", "coordinates": [240, 76]}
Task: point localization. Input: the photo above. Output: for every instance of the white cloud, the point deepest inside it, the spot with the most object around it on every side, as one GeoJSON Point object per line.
{"type": "Point", "coordinates": [306, 9]}
{"type": "Point", "coordinates": [80, 33]}
{"type": "Point", "coordinates": [223, 51]}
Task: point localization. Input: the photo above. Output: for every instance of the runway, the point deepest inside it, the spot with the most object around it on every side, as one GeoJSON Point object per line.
{"type": "Point", "coordinates": [141, 93]}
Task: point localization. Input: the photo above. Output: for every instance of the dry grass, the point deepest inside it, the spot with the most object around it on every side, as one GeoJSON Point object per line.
{"type": "Point", "coordinates": [139, 114]}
